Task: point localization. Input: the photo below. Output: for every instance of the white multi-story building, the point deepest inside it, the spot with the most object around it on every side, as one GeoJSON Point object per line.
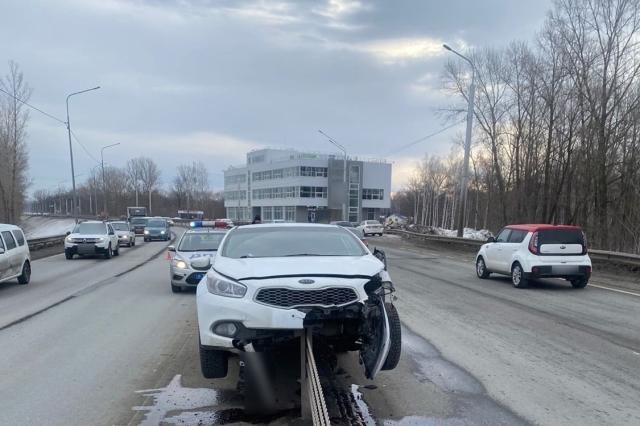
{"type": "Point", "coordinates": [294, 186]}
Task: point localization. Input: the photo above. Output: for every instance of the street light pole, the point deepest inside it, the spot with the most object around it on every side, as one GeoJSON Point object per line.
{"type": "Point", "coordinates": [104, 183]}
{"type": "Point", "coordinates": [467, 143]}
{"type": "Point", "coordinates": [344, 176]}
{"type": "Point", "coordinates": [73, 175]}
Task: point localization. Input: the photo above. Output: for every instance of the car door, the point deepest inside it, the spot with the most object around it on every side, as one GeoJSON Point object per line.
{"type": "Point", "coordinates": [494, 252]}
{"type": "Point", "coordinates": [112, 236]}
{"type": "Point", "coordinates": [511, 246]}
{"type": "Point", "coordinates": [4, 260]}
{"type": "Point", "coordinates": [12, 253]}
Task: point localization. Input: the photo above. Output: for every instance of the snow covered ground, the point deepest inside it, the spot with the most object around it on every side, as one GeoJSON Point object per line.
{"type": "Point", "coordinates": [473, 234]}
{"type": "Point", "coordinates": [45, 226]}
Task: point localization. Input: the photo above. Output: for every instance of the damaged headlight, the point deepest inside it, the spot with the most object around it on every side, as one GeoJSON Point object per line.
{"type": "Point", "coordinates": [224, 287]}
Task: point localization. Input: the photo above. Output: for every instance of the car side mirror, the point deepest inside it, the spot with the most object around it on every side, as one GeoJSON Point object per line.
{"type": "Point", "coordinates": [68, 233]}
{"type": "Point", "coordinates": [171, 248]}
{"type": "Point", "coordinates": [203, 262]}
{"type": "Point", "coordinates": [491, 239]}
{"type": "Point", "coordinates": [381, 256]}
{"type": "Point", "coordinates": [111, 233]}
{"type": "Point", "coordinates": [1, 250]}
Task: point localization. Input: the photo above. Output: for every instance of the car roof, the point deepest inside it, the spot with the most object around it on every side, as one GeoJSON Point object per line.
{"type": "Point", "coordinates": [533, 227]}
{"type": "Point", "coordinates": [206, 230]}
{"type": "Point", "coordinates": [91, 221]}
{"type": "Point", "coordinates": [289, 225]}
{"type": "Point", "coordinates": [8, 226]}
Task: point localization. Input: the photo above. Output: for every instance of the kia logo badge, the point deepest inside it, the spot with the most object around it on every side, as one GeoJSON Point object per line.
{"type": "Point", "coordinates": [563, 247]}
{"type": "Point", "coordinates": [306, 281]}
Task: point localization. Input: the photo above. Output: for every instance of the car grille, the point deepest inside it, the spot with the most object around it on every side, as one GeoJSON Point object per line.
{"type": "Point", "coordinates": [290, 298]}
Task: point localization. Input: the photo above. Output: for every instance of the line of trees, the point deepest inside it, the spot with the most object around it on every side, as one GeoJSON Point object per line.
{"type": "Point", "coordinates": [136, 184]}
{"type": "Point", "coordinates": [14, 158]}
{"type": "Point", "coordinates": [557, 129]}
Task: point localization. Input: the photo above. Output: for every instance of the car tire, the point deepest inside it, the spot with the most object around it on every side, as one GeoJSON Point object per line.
{"type": "Point", "coordinates": [146, 240]}
{"type": "Point", "coordinates": [25, 277]}
{"type": "Point", "coordinates": [214, 363]}
{"type": "Point", "coordinates": [395, 341]}
{"type": "Point", "coordinates": [176, 288]}
{"type": "Point", "coordinates": [481, 268]}
{"type": "Point", "coordinates": [517, 276]}
{"type": "Point", "coordinates": [109, 252]}
{"type": "Point", "coordinates": [117, 251]}
{"type": "Point", "coordinates": [579, 283]}
{"type": "Point", "coordinates": [133, 242]}
{"type": "Point", "coordinates": [69, 256]}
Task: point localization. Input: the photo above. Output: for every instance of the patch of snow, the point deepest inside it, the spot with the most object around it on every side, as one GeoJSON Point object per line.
{"type": "Point", "coordinates": [43, 226]}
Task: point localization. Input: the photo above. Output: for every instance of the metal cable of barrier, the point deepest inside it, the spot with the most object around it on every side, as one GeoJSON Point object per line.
{"type": "Point", "coordinates": [318, 406]}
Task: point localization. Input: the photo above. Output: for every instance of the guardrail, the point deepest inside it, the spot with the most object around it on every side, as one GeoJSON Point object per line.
{"type": "Point", "coordinates": [40, 243]}
{"type": "Point", "coordinates": [602, 256]}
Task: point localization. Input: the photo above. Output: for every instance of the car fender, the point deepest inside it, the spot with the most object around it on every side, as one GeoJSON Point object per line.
{"type": "Point", "coordinates": [522, 260]}
{"type": "Point", "coordinates": [481, 252]}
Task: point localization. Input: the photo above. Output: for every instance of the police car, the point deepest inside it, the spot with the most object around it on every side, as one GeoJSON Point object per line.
{"type": "Point", "coordinates": [202, 240]}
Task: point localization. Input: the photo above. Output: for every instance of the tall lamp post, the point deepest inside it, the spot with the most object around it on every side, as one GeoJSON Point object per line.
{"type": "Point", "coordinates": [467, 143]}
{"type": "Point", "coordinates": [104, 183]}
{"type": "Point", "coordinates": [73, 175]}
{"type": "Point", "coordinates": [344, 176]}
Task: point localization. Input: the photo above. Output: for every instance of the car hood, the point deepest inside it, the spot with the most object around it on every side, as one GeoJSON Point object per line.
{"type": "Point", "coordinates": [154, 229]}
{"type": "Point", "coordinates": [348, 266]}
{"type": "Point", "coordinates": [122, 232]}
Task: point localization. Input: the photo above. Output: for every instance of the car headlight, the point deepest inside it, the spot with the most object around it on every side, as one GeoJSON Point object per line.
{"type": "Point", "coordinates": [100, 240]}
{"type": "Point", "coordinates": [162, 232]}
{"type": "Point", "coordinates": [146, 232]}
{"type": "Point", "coordinates": [69, 239]}
{"type": "Point", "coordinates": [225, 287]}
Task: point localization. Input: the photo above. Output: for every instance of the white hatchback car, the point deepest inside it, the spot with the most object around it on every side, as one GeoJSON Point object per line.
{"type": "Point", "coordinates": [15, 259]}
{"type": "Point", "coordinates": [268, 282]}
{"type": "Point", "coordinates": [527, 252]}
{"type": "Point", "coordinates": [371, 227]}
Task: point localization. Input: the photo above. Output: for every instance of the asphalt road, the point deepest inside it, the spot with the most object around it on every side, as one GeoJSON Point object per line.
{"type": "Point", "coordinates": [91, 341]}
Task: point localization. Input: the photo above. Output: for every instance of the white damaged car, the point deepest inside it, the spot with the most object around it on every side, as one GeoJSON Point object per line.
{"type": "Point", "coordinates": [268, 282]}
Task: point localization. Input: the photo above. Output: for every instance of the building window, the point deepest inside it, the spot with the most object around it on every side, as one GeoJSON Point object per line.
{"type": "Point", "coordinates": [313, 192]}
{"type": "Point", "coordinates": [278, 213]}
{"type": "Point", "coordinates": [234, 179]}
{"type": "Point", "coordinates": [235, 195]}
{"type": "Point", "coordinates": [290, 213]}
{"type": "Point", "coordinates": [372, 194]}
{"type": "Point", "coordinates": [313, 171]}
{"type": "Point", "coordinates": [259, 158]}
{"type": "Point", "coordinates": [267, 213]}
{"type": "Point", "coordinates": [278, 192]}
{"type": "Point", "coordinates": [354, 193]}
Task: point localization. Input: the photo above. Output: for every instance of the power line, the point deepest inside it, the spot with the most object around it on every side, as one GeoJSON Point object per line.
{"type": "Point", "coordinates": [84, 148]}
{"type": "Point", "coordinates": [424, 138]}
{"type": "Point", "coordinates": [32, 107]}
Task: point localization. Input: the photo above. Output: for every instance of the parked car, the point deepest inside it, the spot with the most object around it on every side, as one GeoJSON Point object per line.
{"type": "Point", "coordinates": [92, 238]}
{"type": "Point", "coordinates": [15, 258]}
{"type": "Point", "coordinates": [126, 236]}
{"type": "Point", "coordinates": [269, 280]}
{"type": "Point", "coordinates": [157, 228]}
{"type": "Point", "coordinates": [528, 252]}
{"type": "Point", "coordinates": [194, 244]}
{"type": "Point", "coordinates": [138, 224]}
{"type": "Point", "coordinates": [371, 227]}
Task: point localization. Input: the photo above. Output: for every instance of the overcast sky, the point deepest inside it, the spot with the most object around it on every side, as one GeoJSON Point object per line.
{"type": "Point", "coordinates": [209, 80]}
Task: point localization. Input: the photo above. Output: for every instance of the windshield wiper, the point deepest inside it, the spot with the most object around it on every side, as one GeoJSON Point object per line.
{"type": "Point", "coordinates": [308, 254]}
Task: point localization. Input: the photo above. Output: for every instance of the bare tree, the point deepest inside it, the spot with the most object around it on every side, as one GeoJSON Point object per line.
{"type": "Point", "coordinates": [150, 177]}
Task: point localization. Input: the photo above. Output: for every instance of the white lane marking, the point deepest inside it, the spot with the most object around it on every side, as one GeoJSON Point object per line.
{"type": "Point", "coordinates": [615, 289]}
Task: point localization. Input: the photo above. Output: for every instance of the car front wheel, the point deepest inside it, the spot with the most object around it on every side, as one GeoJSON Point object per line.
{"type": "Point", "coordinates": [580, 283]}
{"type": "Point", "coordinates": [517, 276]}
{"type": "Point", "coordinates": [214, 363]}
{"type": "Point", "coordinates": [481, 269]}
{"type": "Point", "coordinates": [108, 253]}
{"type": "Point", "coordinates": [395, 340]}
{"type": "Point", "coordinates": [25, 277]}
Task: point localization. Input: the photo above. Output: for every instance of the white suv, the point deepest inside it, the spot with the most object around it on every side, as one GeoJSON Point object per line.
{"type": "Point", "coordinates": [527, 252]}
{"type": "Point", "coordinates": [92, 238]}
{"type": "Point", "coordinates": [271, 281]}
{"type": "Point", "coordinates": [15, 259]}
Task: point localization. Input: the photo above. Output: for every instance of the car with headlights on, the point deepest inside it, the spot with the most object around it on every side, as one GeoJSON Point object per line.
{"type": "Point", "coordinates": [157, 228]}
{"type": "Point", "coordinates": [138, 224]}
{"type": "Point", "coordinates": [92, 238]}
{"type": "Point", "coordinates": [268, 282]}
{"type": "Point", "coordinates": [126, 236]}
{"type": "Point", "coordinates": [194, 244]}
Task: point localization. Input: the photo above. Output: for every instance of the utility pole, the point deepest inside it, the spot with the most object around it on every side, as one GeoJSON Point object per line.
{"type": "Point", "coordinates": [104, 183]}
{"type": "Point", "coordinates": [73, 174]}
{"type": "Point", "coordinates": [467, 144]}
{"type": "Point", "coordinates": [345, 215]}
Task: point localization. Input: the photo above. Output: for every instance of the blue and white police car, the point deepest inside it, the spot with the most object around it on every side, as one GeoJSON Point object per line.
{"type": "Point", "coordinates": [201, 240]}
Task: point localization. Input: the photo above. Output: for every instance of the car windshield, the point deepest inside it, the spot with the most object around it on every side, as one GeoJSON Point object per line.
{"type": "Point", "coordinates": [156, 224]}
{"type": "Point", "coordinates": [90, 228]}
{"type": "Point", "coordinates": [120, 226]}
{"type": "Point", "coordinates": [358, 232]}
{"type": "Point", "coordinates": [200, 241]}
{"type": "Point", "coordinates": [138, 221]}
{"type": "Point", "coordinates": [291, 241]}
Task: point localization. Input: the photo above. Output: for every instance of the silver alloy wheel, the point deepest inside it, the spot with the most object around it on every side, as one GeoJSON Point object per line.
{"type": "Point", "coordinates": [516, 275]}
{"type": "Point", "coordinates": [480, 267]}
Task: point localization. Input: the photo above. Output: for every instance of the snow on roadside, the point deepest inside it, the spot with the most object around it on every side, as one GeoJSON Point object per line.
{"type": "Point", "coordinates": [43, 226]}
{"type": "Point", "coordinates": [473, 234]}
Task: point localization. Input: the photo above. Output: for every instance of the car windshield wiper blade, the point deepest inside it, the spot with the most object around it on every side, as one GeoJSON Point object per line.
{"type": "Point", "coordinates": [309, 254]}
